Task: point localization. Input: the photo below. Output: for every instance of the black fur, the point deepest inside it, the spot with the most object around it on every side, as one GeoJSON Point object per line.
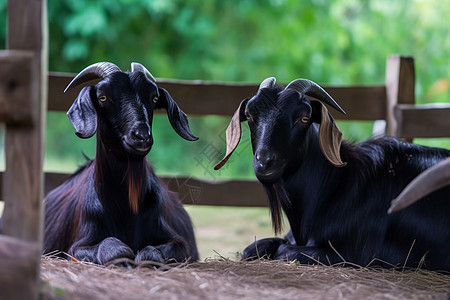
{"type": "Point", "coordinates": [340, 214]}
{"type": "Point", "coordinates": [115, 206]}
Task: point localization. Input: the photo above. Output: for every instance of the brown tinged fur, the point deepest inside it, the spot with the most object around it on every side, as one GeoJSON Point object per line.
{"type": "Point", "coordinates": [115, 206]}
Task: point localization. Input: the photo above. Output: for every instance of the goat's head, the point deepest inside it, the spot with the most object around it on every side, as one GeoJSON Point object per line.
{"type": "Point", "coordinates": [279, 120]}
{"type": "Point", "coordinates": [121, 107]}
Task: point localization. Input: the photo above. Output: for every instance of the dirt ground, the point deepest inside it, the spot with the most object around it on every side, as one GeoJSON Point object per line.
{"type": "Point", "coordinates": [226, 279]}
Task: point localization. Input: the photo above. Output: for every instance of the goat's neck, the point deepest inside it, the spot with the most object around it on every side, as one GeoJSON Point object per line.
{"type": "Point", "coordinates": [119, 179]}
{"type": "Point", "coordinates": [312, 182]}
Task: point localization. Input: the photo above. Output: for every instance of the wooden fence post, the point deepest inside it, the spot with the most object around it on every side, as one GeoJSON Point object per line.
{"type": "Point", "coordinates": [400, 83]}
{"type": "Point", "coordinates": [22, 234]}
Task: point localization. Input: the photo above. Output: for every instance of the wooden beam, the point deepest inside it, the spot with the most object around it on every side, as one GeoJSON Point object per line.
{"type": "Point", "coordinates": [16, 78]}
{"type": "Point", "coordinates": [197, 191]}
{"type": "Point", "coordinates": [19, 261]}
{"type": "Point", "coordinates": [23, 178]}
{"type": "Point", "coordinates": [400, 84]}
{"type": "Point", "coordinates": [215, 98]}
{"type": "Point", "coordinates": [361, 103]}
{"type": "Point", "coordinates": [423, 121]}
{"type": "Point", "coordinates": [247, 193]}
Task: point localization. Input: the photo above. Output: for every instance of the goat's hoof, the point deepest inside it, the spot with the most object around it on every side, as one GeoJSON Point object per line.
{"type": "Point", "coordinates": [150, 253]}
{"type": "Point", "coordinates": [265, 248]}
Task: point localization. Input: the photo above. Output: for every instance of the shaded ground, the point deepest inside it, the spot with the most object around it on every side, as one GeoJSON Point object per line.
{"type": "Point", "coordinates": [226, 279]}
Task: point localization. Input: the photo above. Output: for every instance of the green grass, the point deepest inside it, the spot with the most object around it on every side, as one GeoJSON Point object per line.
{"type": "Point", "coordinates": [226, 231]}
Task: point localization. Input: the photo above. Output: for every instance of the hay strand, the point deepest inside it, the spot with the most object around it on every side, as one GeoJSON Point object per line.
{"type": "Point", "coordinates": [223, 278]}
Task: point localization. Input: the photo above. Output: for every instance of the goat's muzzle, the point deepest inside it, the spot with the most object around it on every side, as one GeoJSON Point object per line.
{"type": "Point", "coordinates": [268, 168]}
{"type": "Point", "coordinates": [138, 141]}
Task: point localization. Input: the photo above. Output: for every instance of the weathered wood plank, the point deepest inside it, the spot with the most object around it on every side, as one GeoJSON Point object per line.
{"type": "Point", "coordinates": [400, 88]}
{"type": "Point", "coordinates": [213, 98]}
{"type": "Point", "coordinates": [247, 193]}
{"type": "Point", "coordinates": [423, 121]}
{"type": "Point", "coordinates": [361, 103]}
{"type": "Point", "coordinates": [16, 77]}
{"type": "Point", "coordinates": [197, 191]}
{"type": "Point", "coordinates": [19, 273]}
{"type": "Point", "coordinates": [23, 178]}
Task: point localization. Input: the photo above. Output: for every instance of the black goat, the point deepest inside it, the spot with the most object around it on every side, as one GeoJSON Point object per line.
{"type": "Point", "coordinates": [336, 196]}
{"type": "Point", "coordinates": [430, 180]}
{"type": "Point", "coordinates": [115, 206]}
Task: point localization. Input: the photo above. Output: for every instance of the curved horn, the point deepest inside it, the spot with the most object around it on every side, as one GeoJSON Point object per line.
{"type": "Point", "coordinates": [94, 71]}
{"type": "Point", "coordinates": [426, 182]}
{"type": "Point", "coordinates": [139, 67]}
{"type": "Point", "coordinates": [311, 88]}
{"type": "Point", "coordinates": [267, 83]}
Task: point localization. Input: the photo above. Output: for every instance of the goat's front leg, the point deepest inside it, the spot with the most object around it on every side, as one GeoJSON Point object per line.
{"type": "Point", "coordinates": [307, 255]}
{"type": "Point", "coordinates": [106, 251]}
{"type": "Point", "coordinates": [264, 248]}
{"type": "Point", "coordinates": [172, 252]}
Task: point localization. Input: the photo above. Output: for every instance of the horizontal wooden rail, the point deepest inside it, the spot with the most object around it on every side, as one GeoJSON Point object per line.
{"type": "Point", "coordinates": [213, 98]}
{"type": "Point", "coordinates": [197, 191]}
{"type": "Point", "coordinates": [424, 121]}
{"type": "Point", "coordinates": [248, 193]}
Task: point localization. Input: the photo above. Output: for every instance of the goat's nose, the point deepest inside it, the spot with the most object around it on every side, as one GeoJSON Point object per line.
{"type": "Point", "coordinates": [142, 132]}
{"type": "Point", "coordinates": [265, 158]}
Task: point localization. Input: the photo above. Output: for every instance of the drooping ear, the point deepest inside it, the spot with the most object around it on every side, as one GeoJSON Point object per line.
{"type": "Point", "coordinates": [177, 117]}
{"type": "Point", "coordinates": [233, 133]}
{"type": "Point", "coordinates": [330, 137]}
{"type": "Point", "coordinates": [82, 114]}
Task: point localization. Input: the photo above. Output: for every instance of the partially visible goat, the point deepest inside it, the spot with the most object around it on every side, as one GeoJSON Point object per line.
{"type": "Point", "coordinates": [115, 206]}
{"type": "Point", "coordinates": [335, 194]}
{"type": "Point", "coordinates": [430, 180]}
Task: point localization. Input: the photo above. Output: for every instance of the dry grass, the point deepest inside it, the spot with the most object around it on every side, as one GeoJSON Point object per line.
{"type": "Point", "coordinates": [226, 279]}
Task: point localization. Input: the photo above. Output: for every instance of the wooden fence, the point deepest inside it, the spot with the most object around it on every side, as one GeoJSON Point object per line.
{"type": "Point", "coordinates": [23, 103]}
{"type": "Point", "coordinates": [393, 102]}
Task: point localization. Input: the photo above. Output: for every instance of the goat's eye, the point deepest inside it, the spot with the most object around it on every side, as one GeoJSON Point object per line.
{"type": "Point", "coordinates": [303, 120]}
{"type": "Point", "coordinates": [155, 99]}
{"type": "Point", "coordinates": [102, 98]}
{"type": "Point", "coordinates": [248, 117]}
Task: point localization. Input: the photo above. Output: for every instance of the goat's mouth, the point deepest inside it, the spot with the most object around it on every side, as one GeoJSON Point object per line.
{"type": "Point", "coordinates": [137, 149]}
{"type": "Point", "coordinates": [268, 175]}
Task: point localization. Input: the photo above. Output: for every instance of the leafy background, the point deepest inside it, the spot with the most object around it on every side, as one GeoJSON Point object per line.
{"type": "Point", "coordinates": [339, 42]}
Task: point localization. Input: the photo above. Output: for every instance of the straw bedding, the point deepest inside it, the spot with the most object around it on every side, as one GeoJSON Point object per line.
{"type": "Point", "coordinates": [226, 279]}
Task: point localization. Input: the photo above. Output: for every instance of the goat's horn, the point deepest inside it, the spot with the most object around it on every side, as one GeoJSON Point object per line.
{"type": "Point", "coordinates": [94, 71]}
{"type": "Point", "coordinates": [267, 83]}
{"type": "Point", "coordinates": [139, 67]}
{"type": "Point", "coordinates": [311, 88]}
{"type": "Point", "coordinates": [426, 182]}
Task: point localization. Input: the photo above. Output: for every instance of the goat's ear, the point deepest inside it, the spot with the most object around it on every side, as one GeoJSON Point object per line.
{"type": "Point", "coordinates": [233, 133]}
{"type": "Point", "coordinates": [82, 114]}
{"type": "Point", "coordinates": [177, 117]}
{"type": "Point", "coordinates": [330, 137]}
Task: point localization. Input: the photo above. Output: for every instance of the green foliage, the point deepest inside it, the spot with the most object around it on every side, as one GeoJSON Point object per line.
{"type": "Point", "coordinates": [340, 42]}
